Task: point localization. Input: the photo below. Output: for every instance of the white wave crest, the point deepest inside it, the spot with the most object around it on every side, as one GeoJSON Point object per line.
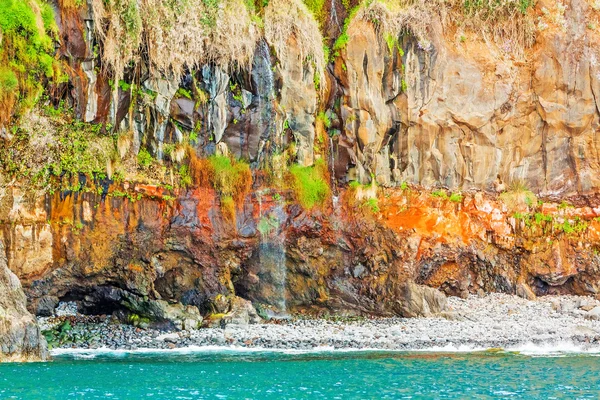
{"type": "Point", "coordinates": [528, 349]}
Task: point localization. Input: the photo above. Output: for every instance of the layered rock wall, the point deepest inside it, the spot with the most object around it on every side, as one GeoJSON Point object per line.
{"type": "Point", "coordinates": [450, 136]}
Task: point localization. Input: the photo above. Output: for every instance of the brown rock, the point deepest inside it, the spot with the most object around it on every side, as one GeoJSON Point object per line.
{"type": "Point", "coordinates": [20, 337]}
{"type": "Point", "coordinates": [420, 301]}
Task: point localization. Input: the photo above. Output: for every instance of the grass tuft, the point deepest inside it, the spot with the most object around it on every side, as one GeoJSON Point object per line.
{"type": "Point", "coordinates": [310, 184]}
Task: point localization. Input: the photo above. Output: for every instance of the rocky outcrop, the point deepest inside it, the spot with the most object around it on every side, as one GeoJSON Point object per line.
{"type": "Point", "coordinates": [457, 114]}
{"type": "Point", "coordinates": [420, 301]}
{"type": "Point", "coordinates": [20, 337]}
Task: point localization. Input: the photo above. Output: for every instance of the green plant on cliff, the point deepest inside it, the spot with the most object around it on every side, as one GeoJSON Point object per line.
{"type": "Point", "coordinates": [310, 184]}
{"type": "Point", "coordinates": [144, 158]}
{"type": "Point", "coordinates": [342, 40]}
{"type": "Point", "coordinates": [267, 225]}
{"type": "Point", "coordinates": [518, 196]}
{"type": "Point", "coordinates": [372, 205]}
{"type": "Point", "coordinates": [27, 29]}
{"type": "Point", "coordinates": [230, 177]}
{"type": "Point", "coordinates": [439, 194]}
{"type": "Point", "coordinates": [316, 7]}
{"type": "Point", "coordinates": [456, 198]}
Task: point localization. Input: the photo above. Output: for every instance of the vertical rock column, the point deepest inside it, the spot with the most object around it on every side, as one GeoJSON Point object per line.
{"type": "Point", "coordinates": [20, 337]}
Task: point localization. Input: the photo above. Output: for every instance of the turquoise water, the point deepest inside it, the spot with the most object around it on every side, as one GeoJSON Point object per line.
{"type": "Point", "coordinates": [308, 376]}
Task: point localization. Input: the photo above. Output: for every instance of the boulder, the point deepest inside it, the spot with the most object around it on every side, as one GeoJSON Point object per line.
{"type": "Point", "coordinates": [594, 313]}
{"type": "Point", "coordinates": [45, 306]}
{"type": "Point", "coordinates": [523, 290]}
{"type": "Point", "coordinates": [242, 313]}
{"type": "Point", "coordinates": [20, 336]}
{"type": "Point", "coordinates": [420, 301]}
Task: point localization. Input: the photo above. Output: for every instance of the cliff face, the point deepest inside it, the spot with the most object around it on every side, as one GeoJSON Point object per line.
{"type": "Point", "coordinates": [20, 338]}
{"type": "Point", "coordinates": [471, 154]}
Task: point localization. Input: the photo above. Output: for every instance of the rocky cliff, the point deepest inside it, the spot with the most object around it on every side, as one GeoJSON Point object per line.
{"type": "Point", "coordinates": [20, 337]}
{"type": "Point", "coordinates": [312, 158]}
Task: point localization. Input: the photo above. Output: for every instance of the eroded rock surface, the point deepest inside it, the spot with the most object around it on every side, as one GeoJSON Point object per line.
{"type": "Point", "coordinates": [20, 337]}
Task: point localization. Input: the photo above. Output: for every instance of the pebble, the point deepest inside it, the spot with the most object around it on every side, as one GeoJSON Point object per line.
{"type": "Point", "coordinates": [496, 320]}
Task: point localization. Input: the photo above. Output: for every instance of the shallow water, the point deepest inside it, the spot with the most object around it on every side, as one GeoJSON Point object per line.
{"type": "Point", "coordinates": [260, 375]}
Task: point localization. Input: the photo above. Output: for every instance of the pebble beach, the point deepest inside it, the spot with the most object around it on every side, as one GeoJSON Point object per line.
{"type": "Point", "coordinates": [476, 323]}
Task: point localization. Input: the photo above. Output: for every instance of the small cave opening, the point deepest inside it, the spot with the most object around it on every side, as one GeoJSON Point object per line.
{"type": "Point", "coordinates": [96, 300]}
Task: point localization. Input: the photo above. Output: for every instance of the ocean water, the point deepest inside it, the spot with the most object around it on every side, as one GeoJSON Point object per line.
{"type": "Point", "coordinates": [322, 375]}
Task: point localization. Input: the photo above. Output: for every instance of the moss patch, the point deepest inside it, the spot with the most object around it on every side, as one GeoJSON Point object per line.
{"type": "Point", "coordinates": [310, 184]}
{"type": "Point", "coordinates": [26, 54]}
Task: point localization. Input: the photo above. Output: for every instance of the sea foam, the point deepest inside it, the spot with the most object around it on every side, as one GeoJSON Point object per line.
{"type": "Point", "coordinates": [528, 349]}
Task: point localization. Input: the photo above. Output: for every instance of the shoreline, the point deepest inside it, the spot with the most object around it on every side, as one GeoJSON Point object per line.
{"type": "Point", "coordinates": [563, 324]}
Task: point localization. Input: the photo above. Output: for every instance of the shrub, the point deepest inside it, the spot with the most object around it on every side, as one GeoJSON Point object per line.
{"type": "Point", "coordinates": [518, 196]}
{"type": "Point", "coordinates": [310, 184]}
{"type": "Point", "coordinates": [456, 198]}
{"type": "Point", "coordinates": [440, 194]}
{"type": "Point", "coordinates": [316, 8]}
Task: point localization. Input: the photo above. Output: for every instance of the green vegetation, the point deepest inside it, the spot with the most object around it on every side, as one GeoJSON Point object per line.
{"type": "Point", "coordinates": [181, 92]}
{"type": "Point", "coordinates": [440, 194]}
{"type": "Point", "coordinates": [310, 184]}
{"type": "Point", "coordinates": [548, 223]}
{"type": "Point", "coordinates": [267, 225]}
{"type": "Point", "coordinates": [144, 158]}
{"type": "Point", "coordinates": [518, 196]}
{"type": "Point", "coordinates": [230, 178]}
{"type": "Point", "coordinates": [27, 29]}
{"type": "Point", "coordinates": [372, 205]}
{"type": "Point", "coordinates": [323, 117]}
{"type": "Point", "coordinates": [456, 198]}
{"type": "Point", "coordinates": [342, 41]}
{"type": "Point", "coordinates": [316, 7]}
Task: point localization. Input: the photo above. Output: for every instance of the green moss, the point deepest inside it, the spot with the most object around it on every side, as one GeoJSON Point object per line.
{"type": "Point", "coordinates": [310, 184]}
{"type": "Point", "coordinates": [316, 7]}
{"type": "Point", "coordinates": [342, 41]}
{"type": "Point", "coordinates": [26, 54]}
{"type": "Point", "coordinates": [8, 80]}
{"type": "Point", "coordinates": [181, 92]}
{"type": "Point", "coordinates": [372, 205]}
{"type": "Point", "coordinates": [323, 117]}
{"type": "Point", "coordinates": [456, 198]}
{"type": "Point", "coordinates": [144, 158]}
{"type": "Point", "coordinates": [354, 184]}
{"type": "Point", "coordinates": [440, 194]}
{"type": "Point", "coordinates": [230, 178]}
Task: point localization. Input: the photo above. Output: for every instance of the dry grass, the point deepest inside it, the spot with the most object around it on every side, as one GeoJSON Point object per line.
{"type": "Point", "coordinates": [287, 19]}
{"type": "Point", "coordinates": [175, 33]}
{"type": "Point", "coordinates": [509, 24]}
{"type": "Point", "coordinates": [518, 197]}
